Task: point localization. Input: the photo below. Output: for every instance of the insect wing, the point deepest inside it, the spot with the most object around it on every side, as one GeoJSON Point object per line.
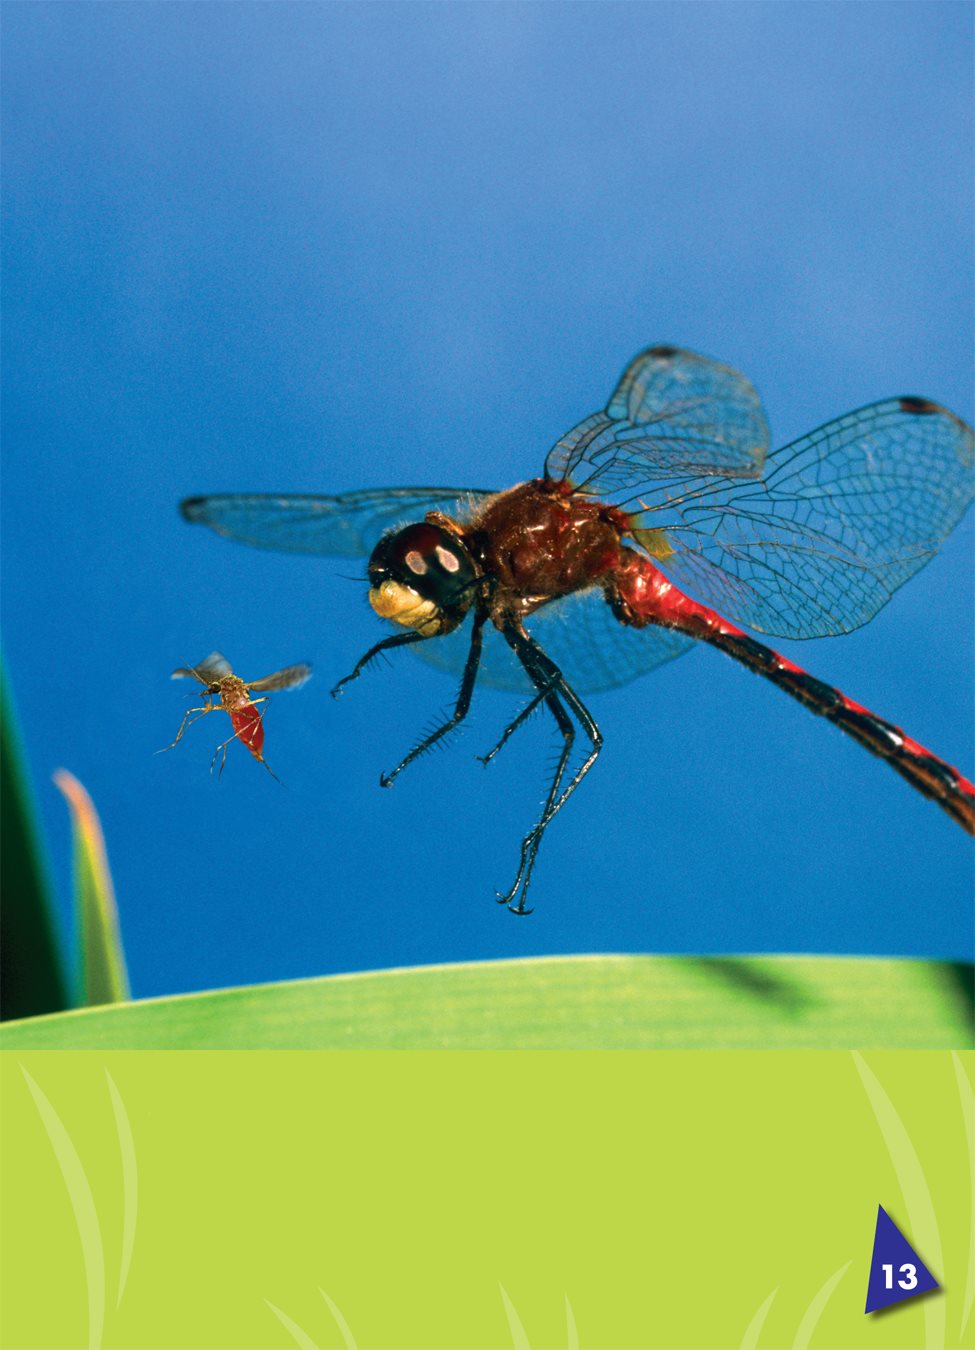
{"type": "Point", "coordinates": [580, 633]}
{"type": "Point", "coordinates": [673, 413]}
{"type": "Point", "coordinates": [291, 677]}
{"type": "Point", "coordinates": [345, 526]}
{"type": "Point", "coordinates": [844, 516]}
{"type": "Point", "coordinates": [211, 669]}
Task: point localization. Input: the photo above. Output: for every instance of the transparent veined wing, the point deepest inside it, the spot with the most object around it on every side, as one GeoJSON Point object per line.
{"type": "Point", "coordinates": [291, 677]}
{"type": "Point", "coordinates": [844, 516]}
{"type": "Point", "coordinates": [212, 668]}
{"type": "Point", "coordinates": [673, 413]}
{"type": "Point", "coordinates": [580, 633]}
{"type": "Point", "coordinates": [345, 526]}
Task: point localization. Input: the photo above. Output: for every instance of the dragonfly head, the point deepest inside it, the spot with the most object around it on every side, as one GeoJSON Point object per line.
{"type": "Point", "coordinates": [422, 577]}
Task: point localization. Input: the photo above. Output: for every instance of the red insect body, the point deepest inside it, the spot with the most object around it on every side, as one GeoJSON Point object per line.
{"type": "Point", "coordinates": [248, 723]}
{"type": "Point", "coordinates": [643, 595]}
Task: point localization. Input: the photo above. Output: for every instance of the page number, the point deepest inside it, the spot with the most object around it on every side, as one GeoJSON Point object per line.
{"type": "Point", "coordinates": [908, 1274]}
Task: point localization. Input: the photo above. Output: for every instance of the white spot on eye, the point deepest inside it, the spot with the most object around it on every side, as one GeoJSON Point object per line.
{"type": "Point", "coordinates": [448, 561]}
{"type": "Point", "coordinates": [416, 562]}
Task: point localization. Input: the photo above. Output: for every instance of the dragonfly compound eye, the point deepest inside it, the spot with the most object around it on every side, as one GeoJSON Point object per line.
{"type": "Point", "coordinates": [422, 577]}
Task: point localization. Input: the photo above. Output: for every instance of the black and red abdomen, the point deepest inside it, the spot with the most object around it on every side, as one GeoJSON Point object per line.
{"type": "Point", "coordinates": [542, 542]}
{"type": "Point", "coordinates": [641, 594]}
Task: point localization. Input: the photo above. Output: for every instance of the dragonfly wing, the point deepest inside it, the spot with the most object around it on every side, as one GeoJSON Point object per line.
{"type": "Point", "coordinates": [580, 633]}
{"type": "Point", "coordinates": [291, 677]}
{"type": "Point", "coordinates": [672, 413]}
{"type": "Point", "coordinates": [844, 516]}
{"type": "Point", "coordinates": [212, 668]}
{"type": "Point", "coordinates": [346, 526]}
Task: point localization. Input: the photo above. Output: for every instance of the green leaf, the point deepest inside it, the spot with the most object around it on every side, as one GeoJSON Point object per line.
{"type": "Point", "coordinates": [31, 977]}
{"type": "Point", "coordinates": [103, 974]}
{"type": "Point", "coordinates": [575, 1002]}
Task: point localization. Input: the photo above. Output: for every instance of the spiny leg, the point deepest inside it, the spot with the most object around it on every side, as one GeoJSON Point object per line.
{"type": "Point", "coordinates": [460, 709]}
{"type": "Point", "coordinates": [398, 640]}
{"type": "Point", "coordinates": [544, 673]}
{"type": "Point", "coordinates": [512, 727]}
{"type": "Point", "coordinates": [531, 842]}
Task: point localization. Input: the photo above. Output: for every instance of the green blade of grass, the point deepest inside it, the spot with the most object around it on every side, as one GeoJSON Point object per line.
{"type": "Point", "coordinates": [577, 1002]}
{"type": "Point", "coordinates": [103, 974]}
{"type": "Point", "coordinates": [340, 1322]}
{"type": "Point", "coordinates": [921, 1214]}
{"type": "Point", "coordinates": [754, 1329]}
{"type": "Point", "coordinates": [967, 1100]}
{"type": "Point", "coordinates": [519, 1337]}
{"type": "Point", "coordinates": [814, 1312]}
{"type": "Point", "coordinates": [300, 1338]}
{"type": "Point", "coordinates": [31, 976]}
{"type": "Point", "coordinates": [83, 1205]}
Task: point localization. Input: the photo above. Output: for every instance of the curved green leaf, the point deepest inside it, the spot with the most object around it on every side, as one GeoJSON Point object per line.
{"type": "Point", "coordinates": [573, 1002]}
{"type": "Point", "coordinates": [104, 978]}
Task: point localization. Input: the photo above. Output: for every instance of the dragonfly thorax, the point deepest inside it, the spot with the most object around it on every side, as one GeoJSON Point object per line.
{"type": "Point", "coordinates": [422, 577]}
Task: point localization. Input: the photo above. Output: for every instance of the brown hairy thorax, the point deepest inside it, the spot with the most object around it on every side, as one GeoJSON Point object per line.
{"type": "Point", "coordinates": [539, 543]}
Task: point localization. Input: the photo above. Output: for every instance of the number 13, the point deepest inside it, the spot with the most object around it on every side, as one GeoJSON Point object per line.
{"type": "Point", "coordinates": [909, 1273]}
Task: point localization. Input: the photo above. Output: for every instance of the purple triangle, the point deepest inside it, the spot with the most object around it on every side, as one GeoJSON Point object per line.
{"type": "Point", "coordinates": [896, 1270]}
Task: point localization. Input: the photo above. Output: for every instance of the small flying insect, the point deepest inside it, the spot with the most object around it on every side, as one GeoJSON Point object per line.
{"type": "Point", "coordinates": [219, 682]}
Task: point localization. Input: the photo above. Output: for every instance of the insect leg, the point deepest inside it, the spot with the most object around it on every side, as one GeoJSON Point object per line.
{"type": "Point", "coordinates": [398, 640]}
{"type": "Point", "coordinates": [522, 717]}
{"type": "Point", "coordinates": [461, 707]}
{"type": "Point", "coordinates": [217, 752]}
{"type": "Point", "coordinates": [265, 699]}
{"type": "Point", "coordinates": [546, 676]}
{"type": "Point", "coordinates": [208, 708]}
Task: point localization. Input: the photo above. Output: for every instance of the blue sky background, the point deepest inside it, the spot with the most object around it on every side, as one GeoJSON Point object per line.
{"type": "Point", "coordinates": [311, 248]}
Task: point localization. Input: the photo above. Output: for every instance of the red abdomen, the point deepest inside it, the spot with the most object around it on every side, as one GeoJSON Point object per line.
{"type": "Point", "coordinates": [249, 726]}
{"type": "Point", "coordinates": [641, 595]}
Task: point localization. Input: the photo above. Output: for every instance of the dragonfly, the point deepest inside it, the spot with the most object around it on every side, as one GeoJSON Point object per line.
{"type": "Point", "coordinates": [223, 691]}
{"type": "Point", "coordinates": [662, 520]}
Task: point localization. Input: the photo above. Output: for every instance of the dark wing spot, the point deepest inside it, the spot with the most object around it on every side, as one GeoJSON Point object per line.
{"type": "Point", "coordinates": [910, 404]}
{"type": "Point", "coordinates": [664, 352]}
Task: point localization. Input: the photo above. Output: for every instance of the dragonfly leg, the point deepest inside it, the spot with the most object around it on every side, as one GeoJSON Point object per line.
{"type": "Point", "coordinates": [532, 841]}
{"type": "Point", "coordinates": [398, 640]}
{"type": "Point", "coordinates": [207, 708]}
{"type": "Point", "coordinates": [522, 717]}
{"type": "Point", "coordinates": [552, 686]}
{"type": "Point", "coordinates": [460, 709]}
